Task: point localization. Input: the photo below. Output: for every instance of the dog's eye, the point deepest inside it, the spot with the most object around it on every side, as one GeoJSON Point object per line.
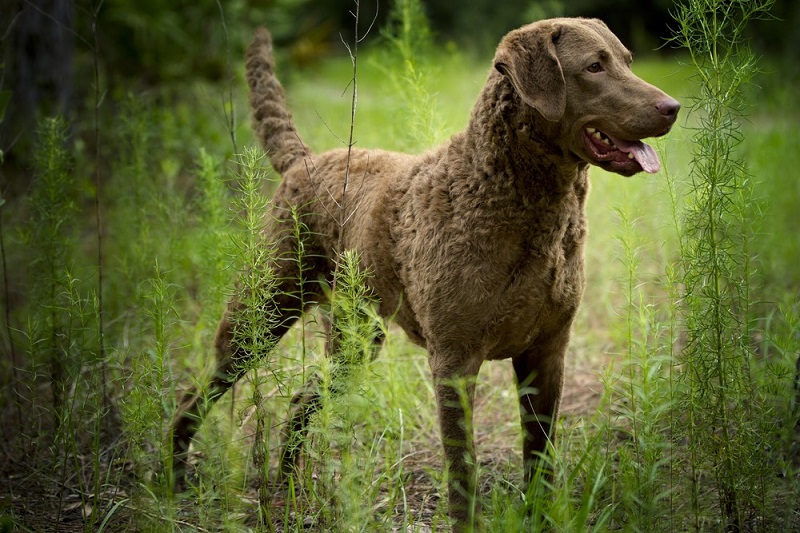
{"type": "Point", "coordinates": [594, 68]}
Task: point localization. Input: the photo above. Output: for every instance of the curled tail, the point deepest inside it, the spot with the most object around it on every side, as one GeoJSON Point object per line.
{"type": "Point", "coordinates": [271, 118]}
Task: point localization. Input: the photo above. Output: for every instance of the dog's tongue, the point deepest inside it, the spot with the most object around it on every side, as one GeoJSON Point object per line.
{"type": "Point", "coordinates": [643, 153]}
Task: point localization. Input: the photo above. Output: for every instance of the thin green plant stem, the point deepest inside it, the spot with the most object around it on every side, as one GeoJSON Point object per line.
{"type": "Point", "coordinates": [255, 292]}
{"type": "Point", "coordinates": [299, 235]}
{"type": "Point", "coordinates": [631, 264]}
{"type": "Point", "coordinates": [673, 298]}
{"type": "Point", "coordinates": [106, 405]}
{"type": "Point", "coordinates": [50, 238]}
{"type": "Point", "coordinates": [410, 36]}
{"type": "Point", "coordinates": [343, 214]}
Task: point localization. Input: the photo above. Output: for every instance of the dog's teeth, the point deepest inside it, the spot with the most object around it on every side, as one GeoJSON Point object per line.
{"type": "Point", "coordinates": [630, 155]}
{"type": "Point", "coordinates": [607, 141]}
{"type": "Point", "coordinates": [590, 130]}
{"type": "Point", "coordinates": [598, 135]}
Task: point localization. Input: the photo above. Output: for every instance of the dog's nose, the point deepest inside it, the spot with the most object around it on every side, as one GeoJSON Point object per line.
{"type": "Point", "coordinates": [669, 108]}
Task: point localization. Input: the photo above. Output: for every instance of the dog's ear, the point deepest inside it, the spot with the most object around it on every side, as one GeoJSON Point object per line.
{"type": "Point", "coordinates": [528, 58]}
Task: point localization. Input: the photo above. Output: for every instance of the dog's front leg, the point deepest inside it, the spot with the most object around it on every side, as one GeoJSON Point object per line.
{"type": "Point", "coordinates": [455, 389]}
{"type": "Point", "coordinates": [540, 382]}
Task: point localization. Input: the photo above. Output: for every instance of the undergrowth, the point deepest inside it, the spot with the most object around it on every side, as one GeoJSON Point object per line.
{"type": "Point", "coordinates": [694, 325]}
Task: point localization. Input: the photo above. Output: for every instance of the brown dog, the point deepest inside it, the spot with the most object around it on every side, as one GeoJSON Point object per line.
{"type": "Point", "coordinates": [476, 248]}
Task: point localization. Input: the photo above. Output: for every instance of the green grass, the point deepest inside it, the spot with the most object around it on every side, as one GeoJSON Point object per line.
{"type": "Point", "coordinates": [374, 460]}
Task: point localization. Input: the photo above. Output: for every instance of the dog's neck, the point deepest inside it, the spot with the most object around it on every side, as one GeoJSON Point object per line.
{"type": "Point", "coordinates": [514, 137]}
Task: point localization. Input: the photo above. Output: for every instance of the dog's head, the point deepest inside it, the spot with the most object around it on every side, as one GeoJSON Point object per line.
{"type": "Point", "coordinates": [576, 74]}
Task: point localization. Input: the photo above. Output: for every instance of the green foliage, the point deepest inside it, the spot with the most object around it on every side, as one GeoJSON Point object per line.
{"type": "Point", "coordinates": [62, 332]}
{"type": "Point", "coordinates": [53, 202]}
{"type": "Point", "coordinates": [408, 63]}
{"type": "Point", "coordinates": [718, 392]}
{"type": "Point", "coordinates": [51, 238]}
{"type": "Point", "coordinates": [580, 499]}
{"type": "Point", "coordinates": [703, 295]}
{"type": "Point", "coordinates": [256, 316]}
{"type": "Point", "coordinates": [345, 468]}
{"type": "Point", "coordinates": [354, 321]}
{"type": "Point", "coordinates": [777, 191]}
{"type": "Point", "coordinates": [642, 391]}
{"type": "Point", "coordinates": [408, 30]}
{"type": "Point", "coordinates": [545, 9]}
{"type": "Point", "coordinates": [149, 403]}
{"type": "Point", "coordinates": [213, 243]}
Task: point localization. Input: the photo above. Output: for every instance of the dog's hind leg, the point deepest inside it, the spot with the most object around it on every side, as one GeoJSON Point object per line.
{"type": "Point", "coordinates": [308, 399]}
{"type": "Point", "coordinates": [232, 360]}
{"type": "Point", "coordinates": [304, 404]}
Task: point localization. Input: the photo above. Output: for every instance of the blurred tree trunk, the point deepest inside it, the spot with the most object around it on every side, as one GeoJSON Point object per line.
{"type": "Point", "coordinates": [38, 49]}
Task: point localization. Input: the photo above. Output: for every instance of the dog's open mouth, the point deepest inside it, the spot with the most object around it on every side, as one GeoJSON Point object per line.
{"type": "Point", "coordinates": [620, 155]}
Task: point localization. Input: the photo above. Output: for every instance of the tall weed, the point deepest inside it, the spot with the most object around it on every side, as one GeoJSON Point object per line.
{"type": "Point", "coordinates": [256, 314]}
{"type": "Point", "coordinates": [51, 239]}
{"type": "Point", "coordinates": [344, 465]}
{"type": "Point", "coordinates": [641, 396]}
{"type": "Point", "coordinates": [63, 336]}
{"type": "Point", "coordinates": [147, 406]}
{"type": "Point", "coordinates": [407, 63]}
{"type": "Point", "coordinates": [724, 406]}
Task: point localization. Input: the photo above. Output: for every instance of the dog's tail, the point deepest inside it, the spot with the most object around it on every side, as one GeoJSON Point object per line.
{"type": "Point", "coordinates": [271, 117]}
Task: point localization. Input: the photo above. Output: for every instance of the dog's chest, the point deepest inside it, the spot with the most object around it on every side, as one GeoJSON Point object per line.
{"type": "Point", "coordinates": [507, 283]}
{"type": "Point", "coordinates": [544, 286]}
{"type": "Point", "coordinates": [484, 264]}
